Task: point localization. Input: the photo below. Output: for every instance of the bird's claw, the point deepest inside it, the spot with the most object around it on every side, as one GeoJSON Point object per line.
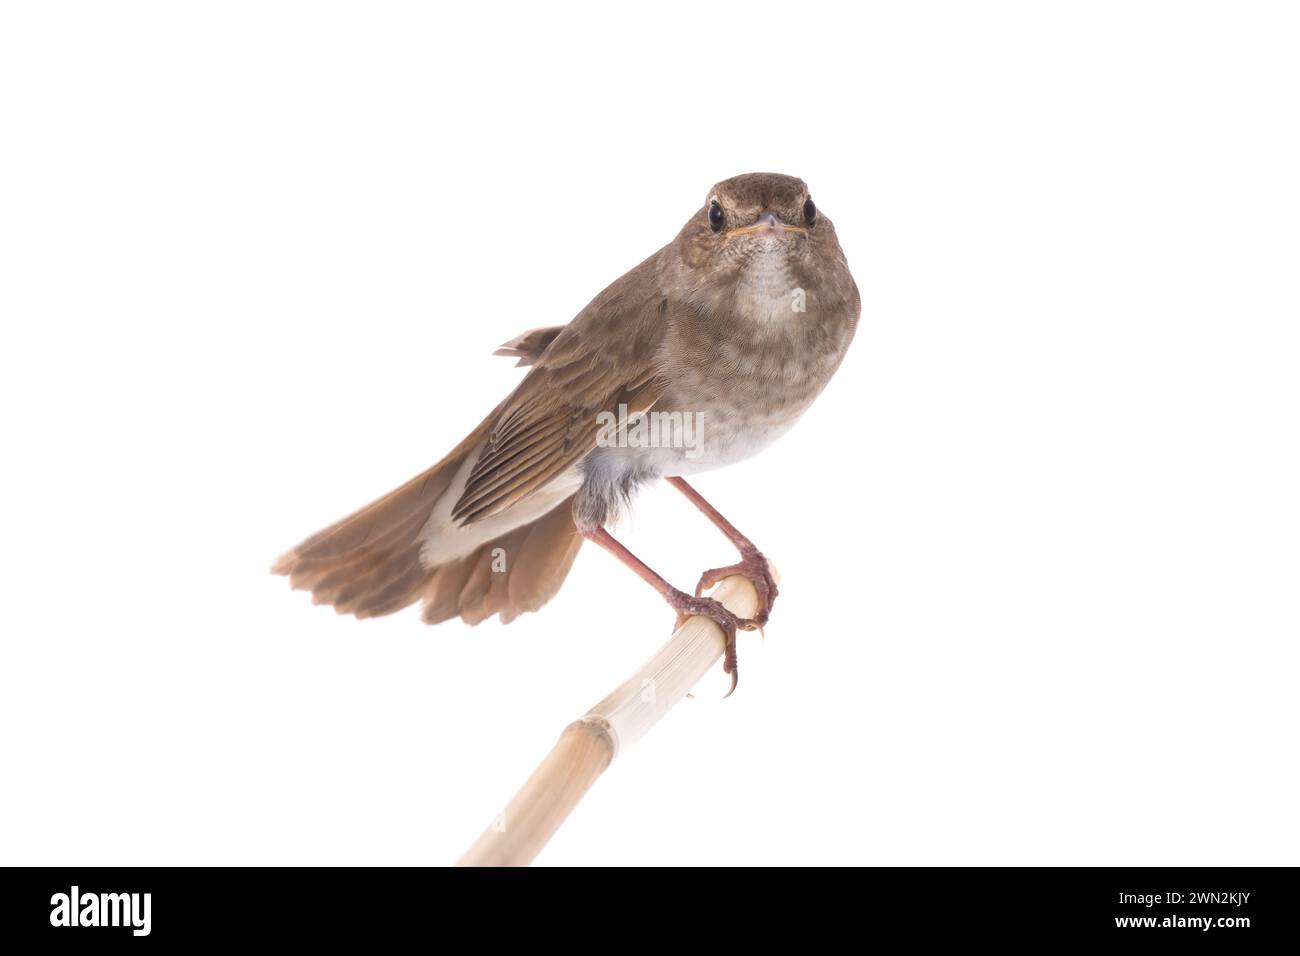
{"type": "Point", "coordinates": [688, 606]}
{"type": "Point", "coordinates": [754, 567]}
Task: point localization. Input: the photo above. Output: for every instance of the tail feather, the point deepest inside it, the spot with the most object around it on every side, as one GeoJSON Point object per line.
{"type": "Point", "coordinates": [395, 585]}
{"type": "Point", "coordinates": [392, 521]}
{"type": "Point", "coordinates": [513, 574]}
{"type": "Point", "coordinates": [543, 561]}
{"type": "Point", "coordinates": [442, 593]}
{"type": "Point", "coordinates": [369, 563]}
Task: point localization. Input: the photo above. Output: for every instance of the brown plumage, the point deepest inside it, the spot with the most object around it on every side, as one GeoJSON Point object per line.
{"type": "Point", "coordinates": [528, 348]}
{"type": "Point", "coordinates": [518, 572]}
{"type": "Point", "coordinates": [738, 323]}
{"type": "Point", "coordinates": [369, 564]}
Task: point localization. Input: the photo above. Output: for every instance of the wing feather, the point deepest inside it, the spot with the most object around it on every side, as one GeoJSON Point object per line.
{"type": "Point", "coordinates": [605, 358]}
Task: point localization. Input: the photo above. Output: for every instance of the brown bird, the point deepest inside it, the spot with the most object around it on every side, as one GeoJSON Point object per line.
{"type": "Point", "coordinates": [699, 357]}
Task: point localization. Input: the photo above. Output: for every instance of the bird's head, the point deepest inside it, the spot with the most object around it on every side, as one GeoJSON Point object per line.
{"type": "Point", "coordinates": [758, 243]}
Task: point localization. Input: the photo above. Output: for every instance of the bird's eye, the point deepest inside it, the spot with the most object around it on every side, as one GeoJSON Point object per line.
{"type": "Point", "coordinates": [715, 216]}
{"type": "Point", "coordinates": [809, 212]}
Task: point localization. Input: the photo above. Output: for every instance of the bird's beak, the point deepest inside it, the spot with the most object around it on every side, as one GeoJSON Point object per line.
{"type": "Point", "coordinates": [767, 223]}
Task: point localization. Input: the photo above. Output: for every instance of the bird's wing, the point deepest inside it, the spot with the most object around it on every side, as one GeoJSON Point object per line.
{"type": "Point", "coordinates": [605, 358]}
{"type": "Point", "coordinates": [528, 348]}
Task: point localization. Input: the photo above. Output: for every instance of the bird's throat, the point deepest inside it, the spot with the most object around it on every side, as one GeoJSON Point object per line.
{"type": "Point", "coordinates": [767, 289]}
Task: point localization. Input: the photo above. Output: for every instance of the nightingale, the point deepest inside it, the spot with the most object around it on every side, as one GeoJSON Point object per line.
{"type": "Point", "coordinates": [722, 339]}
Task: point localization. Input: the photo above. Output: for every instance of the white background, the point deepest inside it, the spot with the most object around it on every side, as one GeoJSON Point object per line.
{"type": "Point", "coordinates": [1038, 539]}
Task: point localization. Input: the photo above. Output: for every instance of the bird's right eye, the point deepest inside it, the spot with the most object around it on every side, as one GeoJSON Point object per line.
{"type": "Point", "coordinates": [715, 216]}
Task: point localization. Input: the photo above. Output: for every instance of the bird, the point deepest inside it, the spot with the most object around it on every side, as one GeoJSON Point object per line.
{"type": "Point", "coordinates": [721, 341]}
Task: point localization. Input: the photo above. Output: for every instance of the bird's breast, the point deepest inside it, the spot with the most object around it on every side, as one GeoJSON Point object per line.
{"type": "Point", "coordinates": [736, 393]}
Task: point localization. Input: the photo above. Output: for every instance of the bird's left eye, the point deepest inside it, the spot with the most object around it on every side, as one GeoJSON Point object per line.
{"type": "Point", "coordinates": [715, 216]}
{"type": "Point", "coordinates": [809, 211]}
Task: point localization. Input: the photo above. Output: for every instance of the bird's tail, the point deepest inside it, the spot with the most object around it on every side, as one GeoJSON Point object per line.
{"type": "Point", "coordinates": [369, 564]}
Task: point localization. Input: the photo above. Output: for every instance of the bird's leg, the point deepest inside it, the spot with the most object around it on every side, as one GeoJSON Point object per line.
{"type": "Point", "coordinates": [752, 564]}
{"type": "Point", "coordinates": [686, 605]}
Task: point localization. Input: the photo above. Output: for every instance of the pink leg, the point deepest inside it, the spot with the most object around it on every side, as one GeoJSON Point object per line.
{"type": "Point", "coordinates": [684, 604]}
{"type": "Point", "coordinates": [752, 563]}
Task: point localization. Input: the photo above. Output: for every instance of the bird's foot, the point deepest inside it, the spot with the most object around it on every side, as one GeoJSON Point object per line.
{"type": "Point", "coordinates": [688, 605]}
{"type": "Point", "coordinates": [752, 565]}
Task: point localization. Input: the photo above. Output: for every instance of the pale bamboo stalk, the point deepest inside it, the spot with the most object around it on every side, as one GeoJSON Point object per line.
{"type": "Point", "coordinates": [589, 745]}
